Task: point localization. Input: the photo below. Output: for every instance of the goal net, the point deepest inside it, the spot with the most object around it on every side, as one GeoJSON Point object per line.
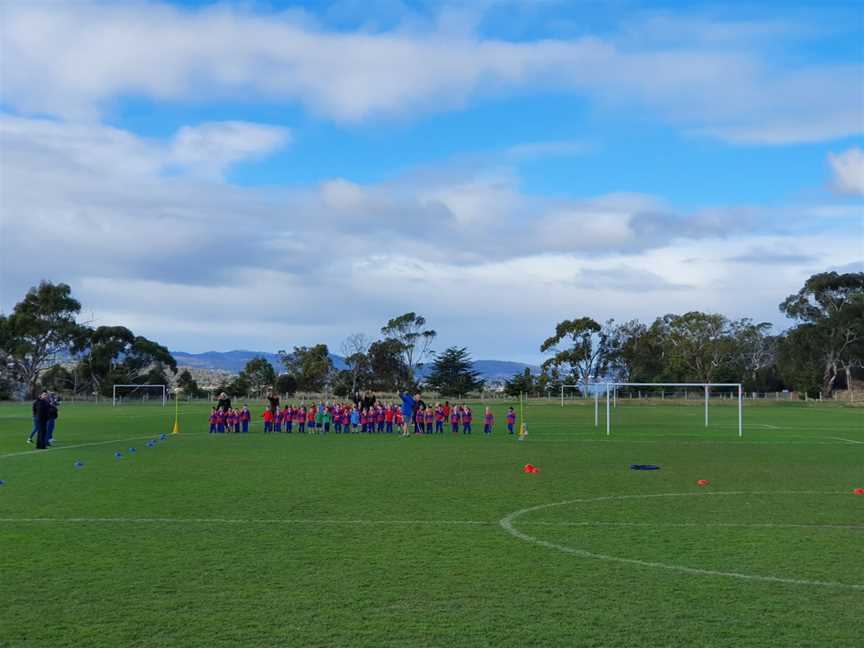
{"type": "Point", "coordinates": [139, 394]}
{"type": "Point", "coordinates": [674, 409]}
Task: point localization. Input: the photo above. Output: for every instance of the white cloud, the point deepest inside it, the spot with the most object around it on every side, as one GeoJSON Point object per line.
{"type": "Point", "coordinates": [198, 264]}
{"type": "Point", "coordinates": [848, 171]}
{"type": "Point", "coordinates": [205, 150]}
{"type": "Point", "coordinates": [212, 147]}
{"type": "Point", "coordinates": [86, 56]}
{"type": "Point", "coordinates": [554, 148]}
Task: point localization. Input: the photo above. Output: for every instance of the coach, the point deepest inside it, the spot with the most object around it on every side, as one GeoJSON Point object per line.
{"type": "Point", "coordinates": [224, 403]}
{"type": "Point", "coordinates": [273, 399]}
{"type": "Point", "coordinates": [41, 415]}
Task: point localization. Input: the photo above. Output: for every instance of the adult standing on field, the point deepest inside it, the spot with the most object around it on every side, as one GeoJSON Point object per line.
{"type": "Point", "coordinates": [41, 415]}
{"type": "Point", "coordinates": [53, 413]}
{"type": "Point", "coordinates": [273, 399]}
{"type": "Point", "coordinates": [409, 402]}
{"type": "Point", "coordinates": [224, 403]}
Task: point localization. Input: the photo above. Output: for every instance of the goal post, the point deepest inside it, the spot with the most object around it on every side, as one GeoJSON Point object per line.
{"type": "Point", "coordinates": [612, 389]}
{"type": "Point", "coordinates": [564, 388]}
{"type": "Point", "coordinates": [121, 392]}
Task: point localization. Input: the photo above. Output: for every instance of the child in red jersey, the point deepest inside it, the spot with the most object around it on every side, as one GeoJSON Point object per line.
{"type": "Point", "coordinates": [430, 419]}
{"type": "Point", "coordinates": [300, 417]}
{"type": "Point", "coordinates": [488, 421]}
{"type": "Point", "coordinates": [439, 419]}
{"type": "Point", "coordinates": [268, 420]}
{"type": "Point", "coordinates": [288, 418]}
{"type": "Point", "coordinates": [214, 419]}
{"type": "Point", "coordinates": [310, 419]}
{"type": "Point", "coordinates": [389, 414]}
{"type": "Point", "coordinates": [245, 417]}
{"type": "Point", "coordinates": [467, 416]}
{"type": "Point", "coordinates": [511, 420]}
{"type": "Point", "coordinates": [420, 422]}
{"type": "Point", "coordinates": [454, 420]}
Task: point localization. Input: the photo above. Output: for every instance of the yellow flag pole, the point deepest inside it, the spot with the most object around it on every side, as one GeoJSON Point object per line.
{"type": "Point", "coordinates": [523, 429]}
{"type": "Point", "coordinates": [176, 429]}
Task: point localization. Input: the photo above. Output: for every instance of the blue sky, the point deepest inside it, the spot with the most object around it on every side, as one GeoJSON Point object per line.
{"type": "Point", "coordinates": [259, 175]}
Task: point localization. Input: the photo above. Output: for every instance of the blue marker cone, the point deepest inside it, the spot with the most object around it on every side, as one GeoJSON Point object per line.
{"type": "Point", "coordinates": [164, 437]}
{"type": "Point", "coordinates": [79, 464]}
{"type": "Point", "coordinates": [132, 450]}
{"type": "Point", "coordinates": [2, 482]}
{"type": "Point", "coordinates": [118, 454]}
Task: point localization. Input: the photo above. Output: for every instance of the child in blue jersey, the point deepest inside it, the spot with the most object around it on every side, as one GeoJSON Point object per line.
{"type": "Point", "coordinates": [355, 419]}
{"type": "Point", "coordinates": [214, 417]}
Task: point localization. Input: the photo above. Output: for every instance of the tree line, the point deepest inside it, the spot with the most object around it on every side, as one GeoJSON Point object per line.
{"type": "Point", "coordinates": [390, 363]}
{"type": "Point", "coordinates": [42, 338]}
{"type": "Point", "coordinates": [820, 352]}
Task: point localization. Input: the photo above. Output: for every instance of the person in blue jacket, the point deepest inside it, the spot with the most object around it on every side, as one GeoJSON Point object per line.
{"type": "Point", "coordinates": [409, 403]}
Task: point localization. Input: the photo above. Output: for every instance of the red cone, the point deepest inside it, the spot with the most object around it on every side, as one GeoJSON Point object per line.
{"type": "Point", "coordinates": [703, 482]}
{"type": "Point", "coordinates": [859, 491]}
{"type": "Point", "coordinates": [529, 468]}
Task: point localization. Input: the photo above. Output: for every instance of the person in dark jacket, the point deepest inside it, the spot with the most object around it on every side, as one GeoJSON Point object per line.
{"type": "Point", "coordinates": [224, 403]}
{"type": "Point", "coordinates": [53, 413]}
{"type": "Point", "coordinates": [42, 413]}
{"type": "Point", "coordinates": [273, 400]}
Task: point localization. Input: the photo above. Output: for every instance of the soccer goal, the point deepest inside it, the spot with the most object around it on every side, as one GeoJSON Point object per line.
{"type": "Point", "coordinates": [671, 407]}
{"type": "Point", "coordinates": [147, 394]}
{"type": "Point", "coordinates": [570, 391]}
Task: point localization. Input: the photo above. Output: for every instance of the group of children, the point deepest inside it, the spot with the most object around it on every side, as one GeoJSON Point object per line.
{"type": "Point", "coordinates": [231, 420]}
{"type": "Point", "coordinates": [346, 418]}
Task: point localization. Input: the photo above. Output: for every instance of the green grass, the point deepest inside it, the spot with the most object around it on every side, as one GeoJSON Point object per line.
{"type": "Point", "coordinates": [380, 541]}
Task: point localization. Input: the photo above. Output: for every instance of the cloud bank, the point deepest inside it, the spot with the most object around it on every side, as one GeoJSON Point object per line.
{"type": "Point", "coordinates": [89, 56]}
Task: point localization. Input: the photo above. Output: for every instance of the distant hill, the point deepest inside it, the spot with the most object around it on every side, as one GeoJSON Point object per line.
{"type": "Point", "coordinates": [234, 361]}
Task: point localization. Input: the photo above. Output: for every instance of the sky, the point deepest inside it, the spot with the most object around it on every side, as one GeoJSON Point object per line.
{"type": "Point", "coordinates": [251, 175]}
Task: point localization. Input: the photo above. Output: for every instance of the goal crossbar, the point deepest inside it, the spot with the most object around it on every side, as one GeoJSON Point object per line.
{"type": "Point", "coordinates": [612, 388]}
{"type": "Point", "coordinates": [164, 395]}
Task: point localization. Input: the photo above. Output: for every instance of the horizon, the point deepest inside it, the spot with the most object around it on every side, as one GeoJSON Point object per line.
{"type": "Point", "coordinates": [496, 168]}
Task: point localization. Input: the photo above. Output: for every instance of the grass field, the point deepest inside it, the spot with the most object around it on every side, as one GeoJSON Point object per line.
{"type": "Point", "coordinates": [278, 540]}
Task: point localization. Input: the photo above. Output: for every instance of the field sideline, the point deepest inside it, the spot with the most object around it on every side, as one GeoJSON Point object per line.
{"type": "Point", "coordinates": [374, 540]}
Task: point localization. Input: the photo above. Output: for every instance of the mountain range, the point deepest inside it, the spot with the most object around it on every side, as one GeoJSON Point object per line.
{"type": "Point", "coordinates": [234, 361]}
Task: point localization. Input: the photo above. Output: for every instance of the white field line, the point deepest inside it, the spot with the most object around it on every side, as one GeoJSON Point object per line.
{"type": "Point", "coordinates": [765, 525]}
{"type": "Point", "coordinates": [507, 523]}
{"type": "Point", "coordinates": [847, 440]}
{"type": "Point", "coordinates": [232, 521]}
{"type": "Point", "coordinates": [85, 445]}
{"type": "Point", "coordinates": [676, 440]}
{"type": "Point", "coordinates": [361, 522]}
